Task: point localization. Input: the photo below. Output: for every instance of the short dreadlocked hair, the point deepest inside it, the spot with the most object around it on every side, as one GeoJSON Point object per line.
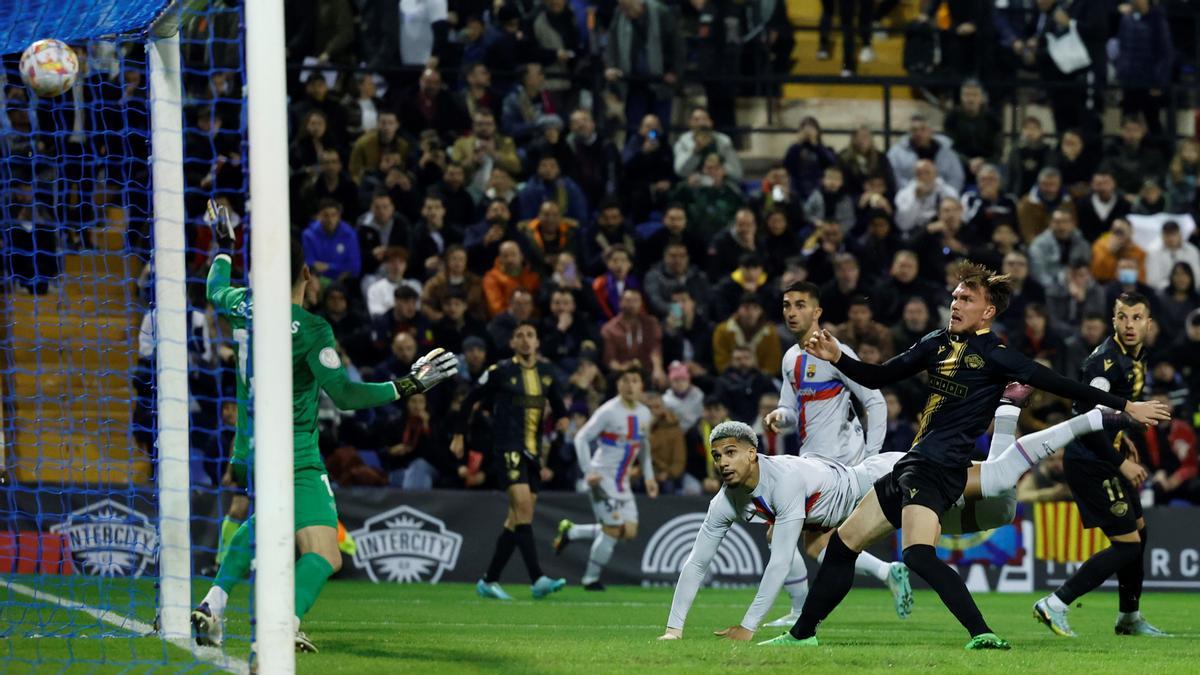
{"type": "Point", "coordinates": [997, 287]}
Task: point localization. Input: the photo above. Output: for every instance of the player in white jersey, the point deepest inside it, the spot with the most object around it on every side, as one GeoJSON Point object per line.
{"type": "Point", "coordinates": [621, 429]}
{"type": "Point", "coordinates": [815, 399]}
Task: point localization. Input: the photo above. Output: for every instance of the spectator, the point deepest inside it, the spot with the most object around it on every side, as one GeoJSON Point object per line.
{"type": "Point", "coordinates": [565, 333]}
{"type": "Point", "coordinates": [1052, 250]}
{"type": "Point", "coordinates": [776, 193]}
{"type": "Point", "coordinates": [1004, 240]}
{"type": "Point", "coordinates": [455, 325]}
{"type": "Point", "coordinates": [649, 169]}
{"type": "Point", "coordinates": [1038, 340]}
{"type": "Point", "coordinates": [941, 241]}
{"type": "Point", "coordinates": [431, 106]}
{"type": "Point", "coordinates": [1182, 175]}
{"type": "Point", "coordinates": [412, 461]}
{"type": "Point", "coordinates": [920, 143]}
{"type": "Point", "coordinates": [550, 184]}
{"type": "Point", "coordinates": [304, 155]}
{"type": "Point", "coordinates": [370, 148]}
{"type": "Point", "coordinates": [507, 274]}
{"type": "Point", "coordinates": [1113, 245]}
{"type": "Point", "coordinates": [432, 161]}
{"type": "Point", "coordinates": [747, 327]}
{"type": "Point", "coordinates": [548, 140]}
{"type": "Point", "coordinates": [1027, 159]}
{"type": "Point", "coordinates": [682, 398]}
{"type": "Point", "coordinates": [331, 182]}
{"type": "Point", "coordinates": [1086, 336]}
{"type": "Point", "coordinates": [915, 323]}
{"type": "Point", "coordinates": [644, 57]}
{"type": "Point", "coordinates": [974, 129]}
{"type": "Point", "coordinates": [1133, 159]}
{"type": "Point", "coordinates": [331, 246]}
{"type": "Point", "coordinates": [350, 328]}
{"type": "Point", "coordinates": [485, 150]}
{"type": "Point", "coordinates": [1101, 207]}
{"type": "Point", "coordinates": [1178, 299]}
{"type": "Point", "coordinates": [674, 271]}
{"type": "Point", "coordinates": [711, 197]}
{"type": "Point", "coordinates": [362, 106]}
{"type": "Point", "coordinates": [696, 145]}
{"type": "Point", "coordinates": [1077, 162]}
{"type": "Point", "coordinates": [1170, 251]}
{"type": "Point", "coordinates": [394, 180]}
{"type": "Point", "coordinates": [430, 238]}
{"type": "Point", "coordinates": [1126, 281]}
{"type": "Point", "coordinates": [478, 94]}
{"type": "Point", "coordinates": [555, 28]}
{"type": "Point", "coordinates": [674, 228]}
{"type": "Point", "coordinates": [844, 287]}
{"type": "Point", "coordinates": [500, 187]}
{"type": "Point", "coordinates": [986, 205]}
{"type": "Point", "coordinates": [1151, 199]}
{"type": "Point", "coordinates": [501, 327]}
{"type": "Point", "coordinates": [1035, 207]}
{"type": "Point", "coordinates": [900, 431]}
{"type": "Point", "coordinates": [1144, 62]}
{"type": "Point", "coordinates": [1171, 459]}
{"type": "Point", "coordinates": [808, 158]}
{"type": "Point", "coordinates": [317, 99]}
{"type": "Point", "coordinates": [483, 239]}
{"type": "Point", "coordinates": [1165, 379]}
{"type": "Point", "coordinates": [687, 334]}
{"type": "Point", "coordinates": [735, 242]}
{"type": "Point", "coordinates": [780, 242]}
{"type": "Point", "coordinates": [509, 47]}
{"type": "Point", "coordinates": [458, 201]}
{"type": "Point", "coordinates": [567, 276]}
{"type": "Point", "coordinates": [1075, 300]}
{"type": "Point", "coordinates": [861, 327]}
{"type": "Point", "coordinates": [1025, 290]}
{"type": "Point", "coordinates": [902, 283]}
{"type": "Point", "coordinates": [741, 384]}
{"type": "Point", "coordinates": [917, 202]}
{"type": "Point", "coordinates": [403, 319]}
{"type": "Point", "coordinates": [610, 287]}
{"type": "Point", "coordinates": [453, 277]}
{"type": "Point", "coordinates": [668, 445]}
{"type": "Point", "coordinates": [610, 229]}
{"type": "Point", "coordinates": [379, 230]}
{"type": "Point", "coordinates": [526, 104]}
{"type": "Point", "coordinates": [877, 246]}
{"type": "Point", "coordinates": [595, 161]}
{"type": "Point", "coordinates": [633, 338]}
{"type": "Point", "coordinates": [381, 293]}
{"type": "Point", "coordinates": [831, 201]}
{"type": "Point", "coordinates": [861, 161]}
{"type": "Point", "coordinates": [548, 235]}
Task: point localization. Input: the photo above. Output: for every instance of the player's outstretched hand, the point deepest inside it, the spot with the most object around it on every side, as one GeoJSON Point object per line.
{"type": "Point", "coordinates": [218, 218]}
{"type": "Point", "coordinates": [1149, 413]}
{"type": "Point", "coordinates": [823, 346]}
{"type": "Point", "coordinates": [735, 633]}
{"type": "Point", "coordinates": [672, 634]}
{"type": "Point", "coordinates": [436, 366]}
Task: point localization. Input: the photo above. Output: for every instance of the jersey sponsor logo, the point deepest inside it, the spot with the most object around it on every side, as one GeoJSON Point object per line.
{"type": "Point", "coordinates": [737, 559]}
{"type": "Point", "coordinates": [1108, 363]}
{"type": "Point", "coordinates": [329, 358]}
{"type": "Point", "coordinates": [974, 361]}
{"type": "Point", "coordinates": [109, 539]}
{"type": "Point", "coordinates": [947, 387]}
{"type": "Point", "coordinates": [404, 546]}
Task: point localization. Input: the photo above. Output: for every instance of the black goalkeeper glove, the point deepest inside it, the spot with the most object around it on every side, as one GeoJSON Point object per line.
{"type": "Point", "coordinates": [428, 371]}
{"type": "Point", "coordinates": [218, 218]}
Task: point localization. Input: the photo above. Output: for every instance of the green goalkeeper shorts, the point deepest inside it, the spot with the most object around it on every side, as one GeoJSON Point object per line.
{"type": "Point", "coordinates": [313, 495]}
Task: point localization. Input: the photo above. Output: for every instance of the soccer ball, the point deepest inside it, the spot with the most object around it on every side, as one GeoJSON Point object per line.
{"type": "Point", "coordinates": [49, 67]}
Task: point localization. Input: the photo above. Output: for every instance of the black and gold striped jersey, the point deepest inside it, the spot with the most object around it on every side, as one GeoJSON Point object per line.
{"type": "Point", "coordinates": [1114, 368]}
{"type": "Point", "coordinates": [517, 397]}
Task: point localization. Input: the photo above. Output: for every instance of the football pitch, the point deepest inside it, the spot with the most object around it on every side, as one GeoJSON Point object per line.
{"type": "Point", "coordinates": [367, 628]}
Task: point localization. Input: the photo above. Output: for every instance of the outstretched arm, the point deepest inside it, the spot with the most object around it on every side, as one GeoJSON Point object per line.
{"type": "Point", "coordinates": [900, 367]}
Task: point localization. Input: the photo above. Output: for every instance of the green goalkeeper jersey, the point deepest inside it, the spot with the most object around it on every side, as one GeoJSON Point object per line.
{"type": "Point", "coordinates": [315, 366]}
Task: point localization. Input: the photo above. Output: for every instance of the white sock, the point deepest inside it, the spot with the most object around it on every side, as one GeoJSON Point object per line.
{"type": "Point", "coordinates": [1056, 603]}
{"type": "Point", "coordinates": [1002, 473]}
{"type": "Point", "coordinates": [216, 599]}
{"type": "Point", "coordinates": [578, 532]}
{"type": "Point", "coordinates": [1129, 617]}
{"type": "Point", "coordinates": [870, 566]}
{"type": "Point", "coordinates": [602, 550]}
{"type": "Point", "coordinates": [1004, 429]}
{"type": "Point", "coordinates": [796, 582]}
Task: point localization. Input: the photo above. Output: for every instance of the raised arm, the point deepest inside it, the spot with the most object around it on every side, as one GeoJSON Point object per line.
{"type": "Point", "coordinates": [716, 523]}
{"type": "Point", "coordinates": [900, 367]}
{"type": "Point", "coordinates": [224, 297]}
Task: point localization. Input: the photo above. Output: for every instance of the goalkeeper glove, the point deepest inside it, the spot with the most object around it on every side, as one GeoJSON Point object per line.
{"type": "Point", "coordinates": [218, 218]}
{"type": "Point", "coordinates": [434, 367]}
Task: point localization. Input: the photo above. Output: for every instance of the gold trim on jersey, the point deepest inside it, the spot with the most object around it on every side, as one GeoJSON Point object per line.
{"type": "Point", "coordinates": [533, 416]}
{"type": "Point", "coordinates": [947, 367]}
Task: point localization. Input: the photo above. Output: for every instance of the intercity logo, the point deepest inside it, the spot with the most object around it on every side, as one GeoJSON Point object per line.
{"type": "Point", "coordinates": [737, 560]}
{"type": "Point", "coordinates": [405, 545]}
{"type": "Point", "coordinates": [109, 539]}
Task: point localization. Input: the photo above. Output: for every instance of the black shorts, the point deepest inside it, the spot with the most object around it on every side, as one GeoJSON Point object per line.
{"type": "Point", "coordinates": [518, 468]}
{"type": "Point", "coordinates": [1106, 500]}
{"type": "Point", "coordinates": [916, 480]}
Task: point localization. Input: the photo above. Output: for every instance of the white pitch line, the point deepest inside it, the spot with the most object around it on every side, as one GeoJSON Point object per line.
{"type": "Point", "coordinates": [211, 655]}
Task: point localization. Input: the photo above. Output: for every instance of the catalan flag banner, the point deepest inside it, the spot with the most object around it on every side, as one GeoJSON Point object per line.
{"type": "Point", "coordinates": [1059, 534]}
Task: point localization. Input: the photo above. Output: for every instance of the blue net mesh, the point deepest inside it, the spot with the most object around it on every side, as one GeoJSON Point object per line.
{"type": "Point", "coordinates": [80, 547]}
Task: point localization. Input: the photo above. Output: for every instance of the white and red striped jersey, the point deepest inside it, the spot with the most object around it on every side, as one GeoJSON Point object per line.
{"type": "Point", "coordinates": [815, 398]}
{"type": "Point", "coordinates": [620, 433]}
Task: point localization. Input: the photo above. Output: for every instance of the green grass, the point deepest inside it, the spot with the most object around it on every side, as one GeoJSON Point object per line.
{"type": "Point", "coordinates": [368, 628]}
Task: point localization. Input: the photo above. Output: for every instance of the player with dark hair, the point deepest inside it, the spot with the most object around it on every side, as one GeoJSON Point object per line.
{"type": "Point", "coordinates": [316, 367]}
{"type": "Point", "coordinates": [516, 391]}
{"type": "Point", "coordinates": [1104, 476]}
{"type": "Point", "coordinates": [968, 370]}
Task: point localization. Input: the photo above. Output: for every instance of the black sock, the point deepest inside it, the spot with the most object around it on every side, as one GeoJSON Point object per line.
{"type": "Point", "coordinates": [1130, 579]}
{"type": "Point", "coordinates": [1099, 567]}
{"type": "Point", "coordinates": [832, 583]}
{"type": "Point", "coordinates": [505, 544]}
{"type": "Point", "coordinates": [922, 559]}
{"type": "Point", "coordinates": [524, 535]}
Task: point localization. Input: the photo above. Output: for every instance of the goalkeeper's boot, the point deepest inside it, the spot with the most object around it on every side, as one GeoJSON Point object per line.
{"type": "Point", "coordinates": [1016, 394]}
{"type": "Point", "coordinates": [902, 595]}
{"type": "Point", "coordinates": [987, 641]}
{"type": "Point", "coordinates": [786, 621]}
{"type": "Point", "coordinates": [1055, 621]}
{"type": "Point", "coordinates": [545, 586]}
{"type": "Point", "coordinates": [491, 590]}
{"type": "Point", "coordinates": [303, 644]}
{"type": "Point", "coordinates": [208, 626]}
{"type": "Point", "coordinates": [786, 640]}
{"type": "Point", "coordinates": [560, 539]}
{"type": "Point", "coordinates": [1136, 625]}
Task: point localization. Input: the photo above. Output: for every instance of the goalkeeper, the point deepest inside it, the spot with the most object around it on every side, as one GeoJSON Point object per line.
{"type": "Point", "coordinates": [316, 366]}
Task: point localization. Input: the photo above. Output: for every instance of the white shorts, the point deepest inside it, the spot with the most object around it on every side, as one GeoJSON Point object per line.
{"type": "Point", "coordinates": [850, 449]}
{"type": "Point", "coordinates": [613, 508]}
{"type": "Point", "coordinates": [872, 469]}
